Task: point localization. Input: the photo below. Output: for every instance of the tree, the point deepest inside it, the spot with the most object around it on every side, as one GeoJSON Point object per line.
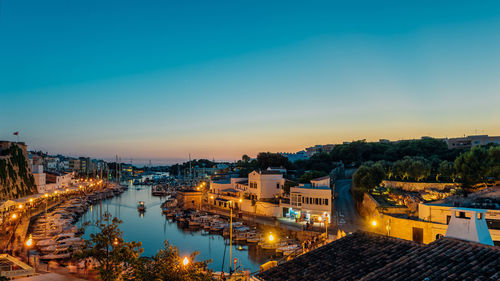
{"type": "Point", "coordinates": [419, 168]}
{"type": "Point", "coordinates": [368, 177]}
{"type": "Point", "coordinates": [245, 158]}
{"type": "Point", "coordinates": [494, 162]}
{"type": "Point", "coordinates": [268, 159]}
{"type": "Point", "coordinates": [309, 175]}
{"type": "Point", "coordinates": [167, 265]}
{"type": "Point", "coordinates": [445, 170]}
{"type": "Point", "coordinates": [472, 166]}
{"type": "Point", "coordinates": [109, 249]}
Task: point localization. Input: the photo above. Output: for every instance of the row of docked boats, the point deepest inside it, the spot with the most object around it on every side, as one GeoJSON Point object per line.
{"type": "Point", "coordinates": [55, 235]}
{"type": "Point", "coordinates": [241, 232]}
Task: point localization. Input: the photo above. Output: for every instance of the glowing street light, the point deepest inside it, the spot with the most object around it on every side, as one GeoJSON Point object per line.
{"type": "Point", "coordinates": [31, 200]}
{"type": "Point", "coordinates": [29, 242]}
{"type": "Point", "coordinates": [241, 200]}
{"type": "Point", "coordinates": [211, 197]}
{"type": "Point", "coordinates": [115, 242]}
{"type": "Point", "coordinates": [271, 237]}
{"type": "Point", "coordinates": [185, 261]}
{"type": "Point", "coordinates": [14, 216]}
{"type": "Point", "coordinates": [20, 206]}
{"type": "Point", "coordinates": [46, 195]}
{"type": "Point", "coordinates": [374, 223]}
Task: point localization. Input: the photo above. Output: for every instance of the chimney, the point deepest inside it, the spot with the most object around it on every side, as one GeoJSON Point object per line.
{"type": "Point", "coordinates": [469, 224]}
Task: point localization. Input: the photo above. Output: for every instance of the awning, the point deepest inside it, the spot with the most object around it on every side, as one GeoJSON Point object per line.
{"type": "Point", "coordinates": [7, 204]}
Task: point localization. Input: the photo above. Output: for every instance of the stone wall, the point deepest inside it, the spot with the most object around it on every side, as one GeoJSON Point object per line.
{"type": "Point", "coordinates": [371, 208]}
{"type": "Point", "coordinates": [419, 186]}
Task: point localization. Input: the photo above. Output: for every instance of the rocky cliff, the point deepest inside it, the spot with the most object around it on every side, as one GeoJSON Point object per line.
{"type": "Point", "coordinates": [16, 178]}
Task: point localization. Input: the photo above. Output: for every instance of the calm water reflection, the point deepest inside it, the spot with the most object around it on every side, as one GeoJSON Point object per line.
{"type": "Point", "coordinates": [153, 228]}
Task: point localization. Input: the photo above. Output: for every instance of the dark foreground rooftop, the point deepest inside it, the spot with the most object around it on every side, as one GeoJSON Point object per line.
{"type": "Point", "coordinates": [369, 256]}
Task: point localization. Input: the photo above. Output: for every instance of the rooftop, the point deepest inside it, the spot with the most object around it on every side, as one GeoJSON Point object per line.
{"type": "Point", "coordinates": [370, 256]}
{"type": "Point", "coordinates": [309, 186]}
{"type": "Point", "coordinates": [321, 178]}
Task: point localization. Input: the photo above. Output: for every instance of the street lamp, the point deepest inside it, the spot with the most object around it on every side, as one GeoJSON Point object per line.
{"type": "Point", "coordinates": [29, 243]}
{"type": "Point", "coordinates": [185, 261]}
{"type": "Point", "coordinates": [374, 223]}
{"type": "Point", "coordinates": [14, 216]}
{"type": "Point", "coordinates": [271, 237]}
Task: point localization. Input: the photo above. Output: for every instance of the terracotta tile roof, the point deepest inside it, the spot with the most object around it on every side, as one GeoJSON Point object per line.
{"type": "Point", "coordinates": [349, 258]}
{"type": "Point", "coordinates": [444, 259]}
{"type": "Point", "coordinates": [368, 256]}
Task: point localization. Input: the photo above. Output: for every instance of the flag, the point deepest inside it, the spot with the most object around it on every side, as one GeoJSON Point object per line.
{"type": "Point", "coordinates": [16, 133]}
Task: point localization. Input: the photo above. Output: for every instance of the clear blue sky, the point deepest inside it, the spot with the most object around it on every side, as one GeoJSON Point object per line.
{"type": "Point", "coordinates": [161, 79]}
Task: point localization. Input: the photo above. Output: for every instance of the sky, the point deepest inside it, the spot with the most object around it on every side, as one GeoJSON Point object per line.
{"type": "Point", "coordinates": [217, 79]}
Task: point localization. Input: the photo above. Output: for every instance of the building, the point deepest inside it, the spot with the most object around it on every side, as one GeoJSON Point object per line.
{"type": "Point", "coordinates": [58, 180]}
{"type": "Point", "coordinates": [258, 194]}
{"type": "Point", "coordinates": [441, 214]}
{"type": "Point", "coordinates": [471, 141]}
{"type": "Point", "coordinates": [265, 184]}
{"type": "Point", "coordinates": [74, 165]}
{"type": "Point", "coordinates": [370, 256]}
{"type": "Point", "coordinates": [310, 151]}
{"type": "Point", "coordinates": [310, 202]}
{"type": "Point", "coordinates": [292, 157]}
{"type": "Point", "coordinates": [189, 199]}
{"type": "Point", "coordinates": [39, 177]}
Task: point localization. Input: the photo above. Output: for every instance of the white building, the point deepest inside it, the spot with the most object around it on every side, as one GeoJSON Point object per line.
{"type": "Point", "coordinates": [469, 224]}
{"type": "Point", "coordinates": [39, 177]}
{"type": "Point", "coordinates": [56, 180]}
{"type": "Point", "coordinates": [265, 184]}
{"type": "Point", "coordinates": [310, 202]}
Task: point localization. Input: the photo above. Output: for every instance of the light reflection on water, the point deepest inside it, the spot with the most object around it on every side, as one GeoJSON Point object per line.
{"type": "Point", "coordinates": [153, 228]}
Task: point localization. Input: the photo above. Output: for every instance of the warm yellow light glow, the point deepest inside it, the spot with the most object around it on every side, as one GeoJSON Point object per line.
{"type": "Point", "coordinates": [46, 195]}
{"type": "Point", "coordinates": [115, 242]}
{"type": "Point", "coordinates": [14, 216]}
{"type": "Point", "coordinates": [31, 200]}
{"type": "Point", "coordinates": [211, 197]}
{"type": "Point", "coordinates": [20, 206]}
{"type": "Point", "coordinates": [29, 242]}
{"type": "Point", "coordinates": [271, 237]}
{"type": "Point", "coordinates": [185, 261]}
{"type": "Point", "coordinates": [241, 200]}
{"type": "Point", "coordinates": [320, 218]}
{"type": "Point", "coordinates": [198, 188]}
{"type": "Point", "coordinates": [374, 223]}
{"type": "Point", "coordinates": [67, 189]}
{"type": "Point", "coordinates": [55, 192]}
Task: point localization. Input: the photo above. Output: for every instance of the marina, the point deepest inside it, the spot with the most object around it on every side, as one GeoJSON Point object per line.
{"type": "Point", "coordinates": [188, 231]}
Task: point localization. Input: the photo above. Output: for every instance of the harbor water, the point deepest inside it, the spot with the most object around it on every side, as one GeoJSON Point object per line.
{"type": "Point", "coordinates": [152, 229]}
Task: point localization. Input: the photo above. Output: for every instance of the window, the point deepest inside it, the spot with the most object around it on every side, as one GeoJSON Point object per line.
{"type": "Point", "coordinates": [479, 216]}
{"type": "Point", "coordinates": [277, 186]}
{"type": "Point", "coordinates": [326, 201]}
{"type": "Point", "coordinates": [448, 219]}
{"type": "Point", "coordinates": [461, 215]}
{"type": "Point", "coordinates": [316, 201]}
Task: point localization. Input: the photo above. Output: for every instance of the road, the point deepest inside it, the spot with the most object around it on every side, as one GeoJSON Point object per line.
{"type": "Point", "coordinates": [345, 206]}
